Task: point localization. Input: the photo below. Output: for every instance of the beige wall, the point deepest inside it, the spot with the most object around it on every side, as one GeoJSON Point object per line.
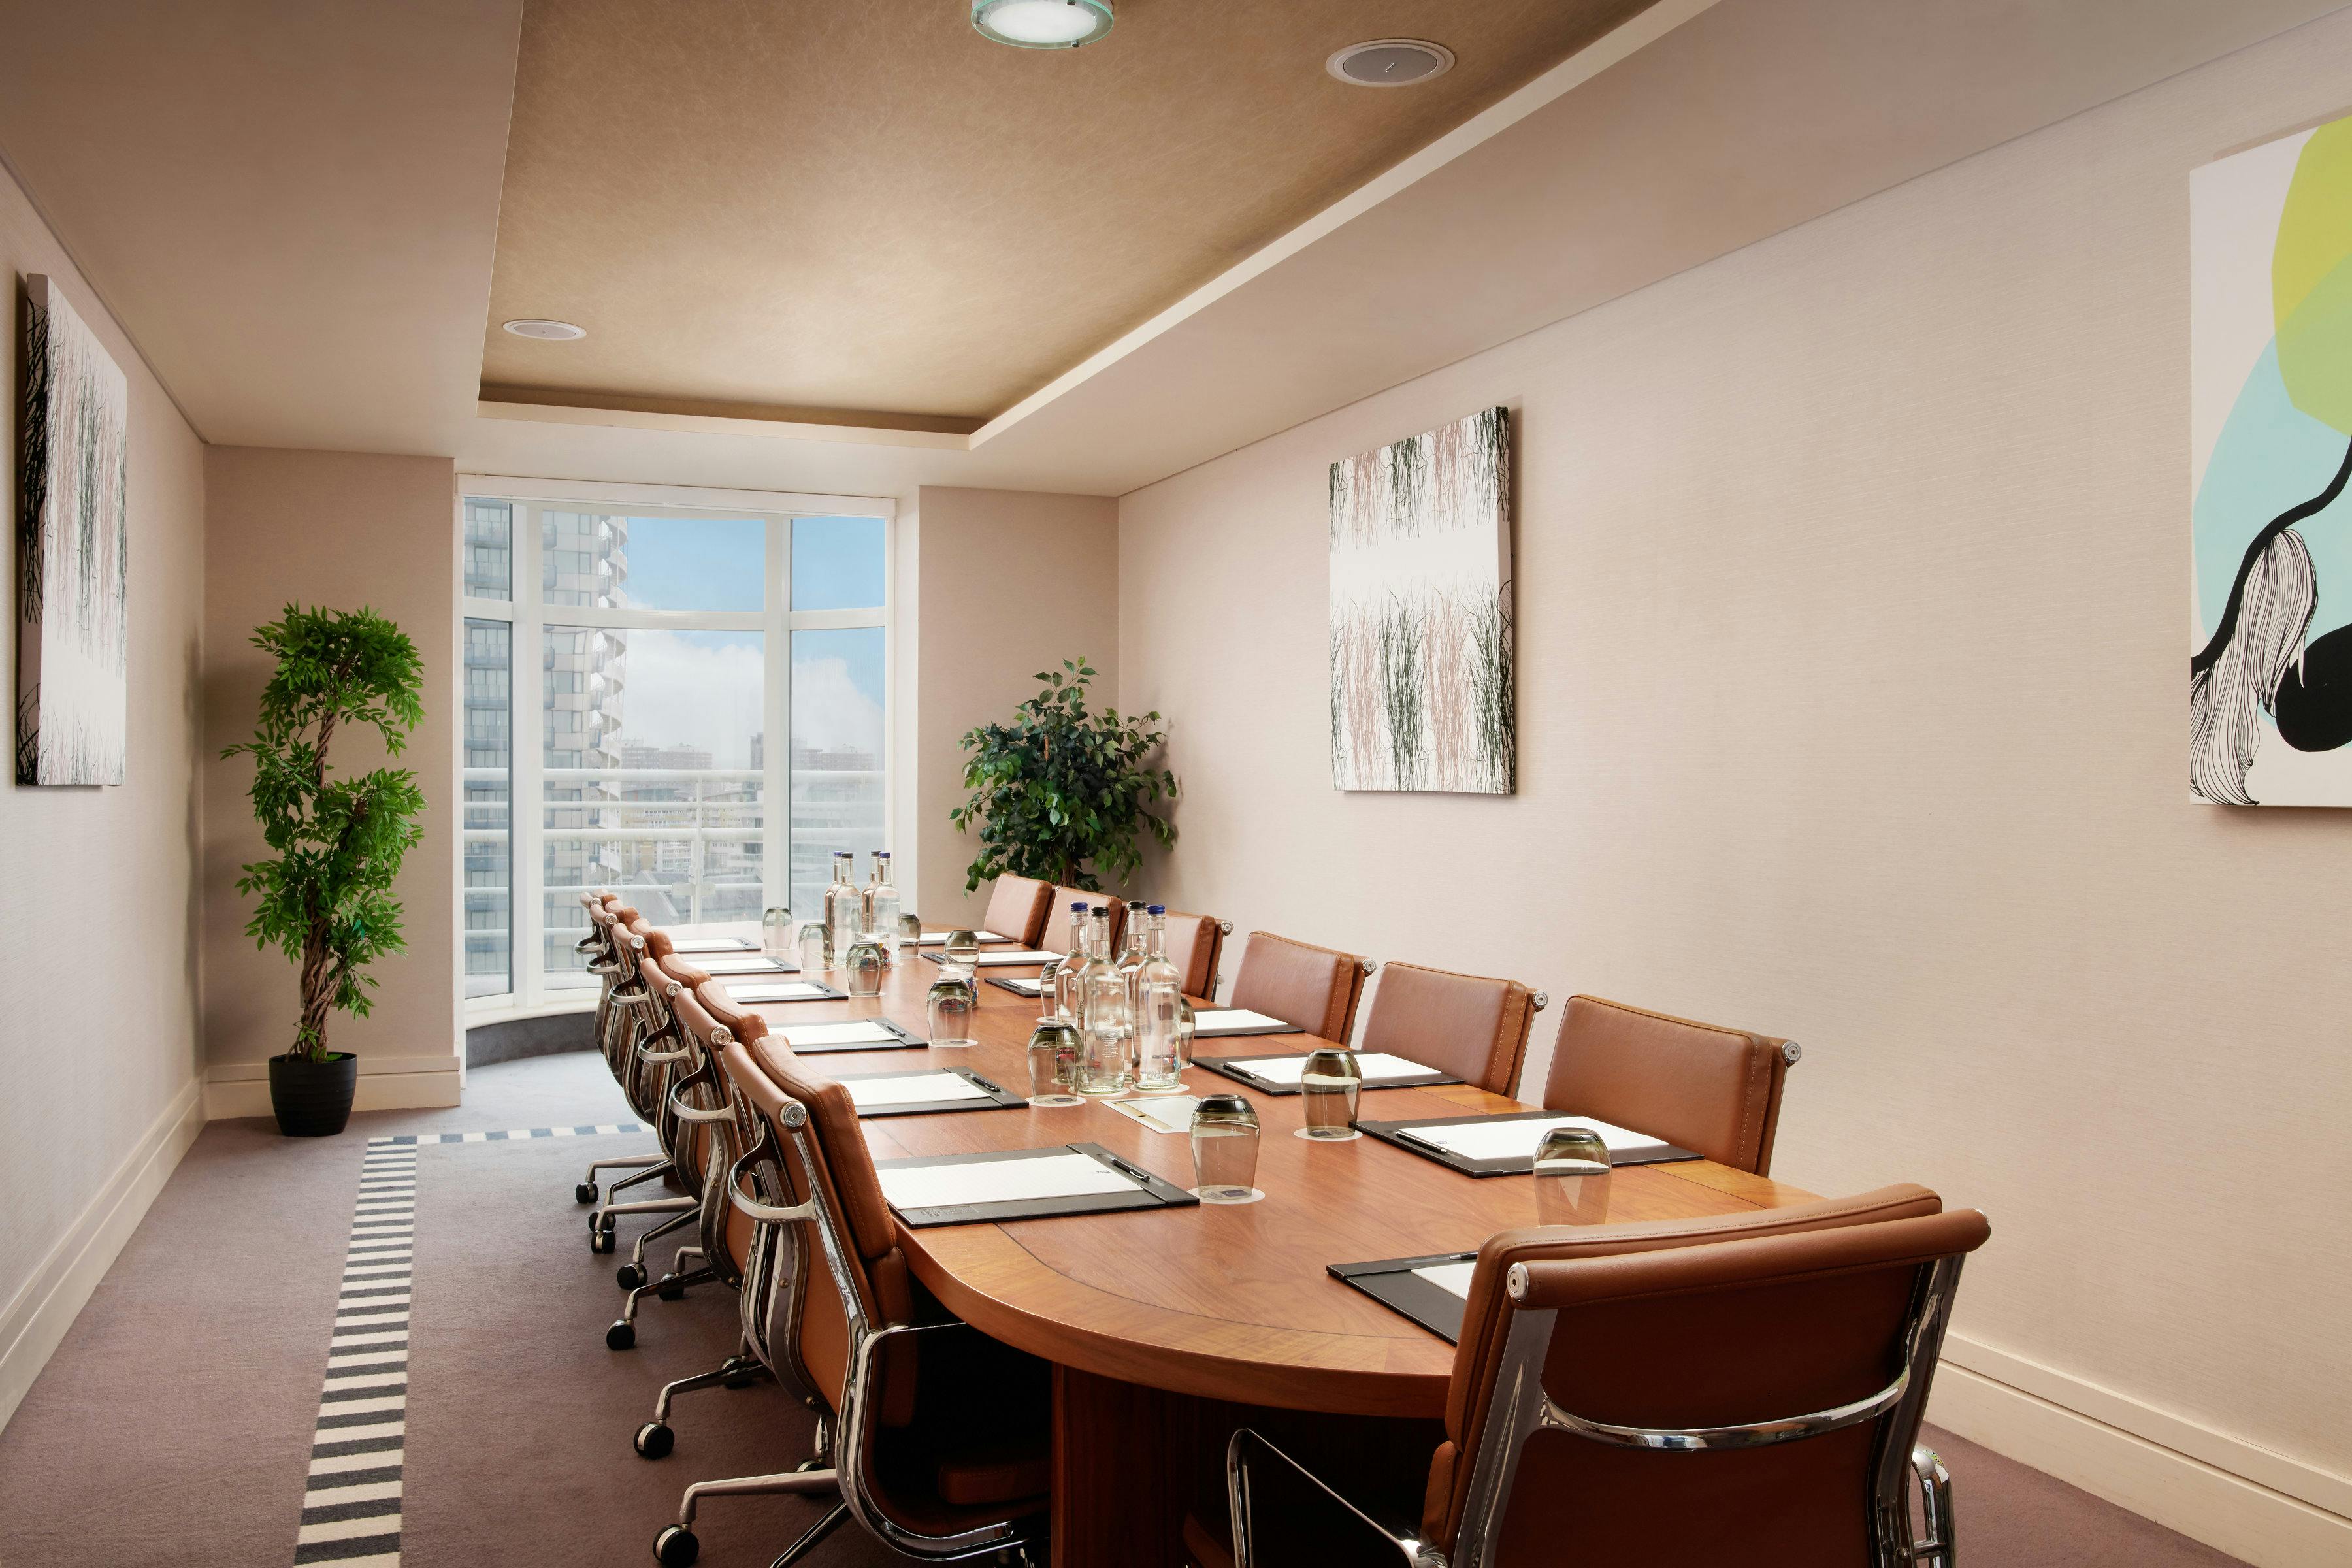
{"type": "Point", "coordinates": [100, 871]}
{"type": "Point", "coordinates": [1852, 601]}
{"type": "Point", "coordinates": [1009, 583]}
{"type": "Point", "coordinates": [340, 530]}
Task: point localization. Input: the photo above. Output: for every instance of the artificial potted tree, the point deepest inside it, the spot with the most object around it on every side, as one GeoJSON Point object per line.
{"type": "Point", "coordinates": [326, 899]}
{"type": "Point", "coordinates": [1061, 794]}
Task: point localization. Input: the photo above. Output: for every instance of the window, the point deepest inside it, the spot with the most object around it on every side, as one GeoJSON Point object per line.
{"type": "Point", "coordinates": [671, 640]}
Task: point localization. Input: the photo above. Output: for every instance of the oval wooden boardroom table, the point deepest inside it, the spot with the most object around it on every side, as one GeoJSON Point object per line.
{"type": "Point", "coordinates": [1155, 1320]}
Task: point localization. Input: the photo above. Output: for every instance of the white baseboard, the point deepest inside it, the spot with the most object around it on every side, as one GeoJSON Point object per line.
{"type": "Point", "coordinates": [2257, 1505]}
{"type": "Point", "coordinates": [34, 1323]}
{"type": "Point", "coordinates": [386, 1083]}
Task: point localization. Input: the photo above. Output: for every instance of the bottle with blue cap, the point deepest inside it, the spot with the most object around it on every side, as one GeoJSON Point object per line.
{"type": "Point", "coordinates": [1158, 1010]}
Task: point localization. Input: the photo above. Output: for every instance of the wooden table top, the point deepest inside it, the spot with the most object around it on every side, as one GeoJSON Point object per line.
{"type": "Point", "coordinates": [1224, 1301]}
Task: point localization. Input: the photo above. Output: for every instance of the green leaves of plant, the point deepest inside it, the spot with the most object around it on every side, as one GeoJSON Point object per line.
{"type": "Point", "coordinates": [339, 842]}
{"type": "Point", "coordinates": [1059, 793]}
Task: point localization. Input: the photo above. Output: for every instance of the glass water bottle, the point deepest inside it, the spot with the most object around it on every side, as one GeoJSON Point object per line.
{"type": "Point", "coordinates": [882, 907]}
{"type": "Point", "coordinates": [1068, 998]}
{"type": "Point", "coordinates": [1105, 1031]}
{"type": "Point", "coordinates": [1156, 994]}
{"type": "Point", "coordinates": [844, 907]}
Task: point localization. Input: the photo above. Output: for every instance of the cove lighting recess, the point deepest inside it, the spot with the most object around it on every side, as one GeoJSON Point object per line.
{"type": "Point", "coordinates": [1042, 24]}
{"type": "Point", "coordinates": [545, 331]}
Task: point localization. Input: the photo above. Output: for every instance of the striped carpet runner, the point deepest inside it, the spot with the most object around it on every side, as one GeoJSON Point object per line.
{"type": "Point", "coordinates": [350, 1505]}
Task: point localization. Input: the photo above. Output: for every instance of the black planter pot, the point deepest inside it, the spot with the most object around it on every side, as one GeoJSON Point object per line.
{"type": "Point", "coordinates": [313, 1100]}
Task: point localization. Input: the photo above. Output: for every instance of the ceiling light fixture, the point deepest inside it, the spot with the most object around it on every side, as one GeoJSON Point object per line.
{"type": "Point", "coordinates": [1390, 62]}
{"type": "Point", "coordinates": [546, 331]}
{"type": "Point", "coordinates": [1042, 24]}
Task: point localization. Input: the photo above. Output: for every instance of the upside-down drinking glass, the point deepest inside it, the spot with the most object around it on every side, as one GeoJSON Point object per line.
{"type": "Point", "coordinates": [950, 1005]}
{"type": "Point", "coordinates": [864, 965]}
{"type": "Point", "coordinates": [776, 934]}
{"type": "Point", "coordinates": [816, 948]}
{"type": "Point", "coordinates": [1224, 1150]}
{"type": "Point", "coordinates": [1571, 1177]}
{"type": "Point", "coordinates": [1329, 1082]}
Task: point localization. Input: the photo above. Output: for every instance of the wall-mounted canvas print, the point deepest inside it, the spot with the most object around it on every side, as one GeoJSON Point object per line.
{"type": "Point", "coordinates": [2269, 635]}
{"type": "Point", "coordinates": [73, 694]}
{"type": "Point", "coordinates": [1421, 613]}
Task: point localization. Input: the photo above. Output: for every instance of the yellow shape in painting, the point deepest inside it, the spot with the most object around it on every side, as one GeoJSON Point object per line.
{"type": "Point", "coordinates": [2311, 278]}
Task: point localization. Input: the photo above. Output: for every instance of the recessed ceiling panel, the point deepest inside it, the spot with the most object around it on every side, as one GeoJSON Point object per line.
{"type": "Point", "coordinates": [813, 211]}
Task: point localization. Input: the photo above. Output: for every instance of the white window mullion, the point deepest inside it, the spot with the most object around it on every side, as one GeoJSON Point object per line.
{"type": "Point", "coordinates": [528, 811]}
{"type": "Point", "coordinates": [776, 703]}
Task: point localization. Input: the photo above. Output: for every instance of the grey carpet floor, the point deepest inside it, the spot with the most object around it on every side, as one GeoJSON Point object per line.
{"type": "Point", "coordinates": [175, 1425]}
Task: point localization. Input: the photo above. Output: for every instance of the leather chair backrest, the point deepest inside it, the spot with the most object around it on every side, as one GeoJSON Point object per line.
{"type": "Point", "coordinates": [1055, 937]}
{"type": "Point", "coordinates": [1195, 942]}
{"type": "Point", "coordinates": [1472, 1028]}
{"type": "Point", "coordinates": [1018, 906]}
{"type": "Point", "coordinates": [1713, 1090]}
{"type": "Point", "coordinates": [767, 1072]}
{"type": "Point", "coordinates": [1763, 1316]}
{"type": "Point", "coordinates": [1313, 987]}
{"type": "Point", "coordinates": [709, 1020]}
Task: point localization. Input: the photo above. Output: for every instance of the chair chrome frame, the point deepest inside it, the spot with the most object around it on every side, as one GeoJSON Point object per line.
{"type": "Point", "coordinates": [1520, 1408]}
{"type": "Point", "coordinates": [1240, 1498]}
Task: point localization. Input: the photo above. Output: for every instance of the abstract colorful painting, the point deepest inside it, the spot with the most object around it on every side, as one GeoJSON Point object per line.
{"type": "Point", "coordinates": [73, 693]}
{"type": "Point", "coordinates": [2270, 668]}
{"type": "Point", "coordinates": [1421, 613]}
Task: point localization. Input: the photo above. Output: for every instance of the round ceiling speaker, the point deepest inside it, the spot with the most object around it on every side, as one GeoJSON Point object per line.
{"type": "Point", "coordinates": [1390, 62]}
{"type": "Point", "coordinates": [547, 331]}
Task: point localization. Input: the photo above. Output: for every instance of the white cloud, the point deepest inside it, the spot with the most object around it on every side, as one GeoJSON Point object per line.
{"type": "Point", "coordinates": [681, 692]}
{"type": "Point", "coordinates": [830, 712]}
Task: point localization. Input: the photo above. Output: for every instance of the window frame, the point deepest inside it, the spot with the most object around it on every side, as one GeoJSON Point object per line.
{"type": "Point", "coordinates": [527, 617]}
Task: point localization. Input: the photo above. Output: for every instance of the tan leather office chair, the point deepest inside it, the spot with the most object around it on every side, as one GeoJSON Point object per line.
{"type": "Point", "coordinates": [952, 1464]}
{"type": "Point", "coordinates": [656, 1055]}
{"type": "Point", "coordinates": [729, 1242]}
{"type": "Point", "coordinates": [1472, 1028]}
{"type": "Point", "coordinates": [1713, 1090]}
{"type": "Point", "coordinates": [1195, 943]}
{"type": "Point", "coordinates": [1679, 1395]}
{"type": "Point", "coordinates": [1018, 906]}
{"type": "Point", "coordinates": [620, 1004]}
{"type": "Point", "coordinates": [1316, 988]}
{"type": "Point", "coordinates": [1055, 938]}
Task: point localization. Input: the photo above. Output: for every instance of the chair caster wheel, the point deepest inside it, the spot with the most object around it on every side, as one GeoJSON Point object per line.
{"type": "Point", "coordinates": [669, 1290]}
{"type": "Point", "coordinates": [676, 1547]}
{"type": "Point", "coordinates": [600, 1241]}
{"type": "Point", "coordinates": [630, 1275]}
{"type": "Point", "coordinates": [654, 1439]}
{"type": "Point", "coordinates": [584, 1193]}
{"type": "Point", "coordinates": [621, 1336]}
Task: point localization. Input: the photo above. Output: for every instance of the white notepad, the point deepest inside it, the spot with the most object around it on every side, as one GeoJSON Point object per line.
{"type": "Point", "coordinates": [911, 1088]}
{"type": "Point", "coordinates": [938, 938]}
{"type": "Point", "coordinates": [1454, 1278]}
{"type": "Point", "coordinates": [1371, 1064]}
{"type": "Point", "coordinates": [1223, 1018]}
{"type": "Point", "coordinates": [710, 944]}
{"type": "Point", "coordinates": [802, 1036]}
{"type": "Point", "coordinates": [1517, 1140]}
{"type": "Point", "coordinates": [1162, 1113]}
{"type": "Point", "coordinates": [746, 964]}
{"type": "Point", "coordinates": [1018, 956]}
{"type": "Point", "coordinates": [1071, 1176]}
{"type": "Point", "coordinates": [778, 991]}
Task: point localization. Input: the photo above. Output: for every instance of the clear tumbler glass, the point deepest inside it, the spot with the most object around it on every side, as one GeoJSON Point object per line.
{"type": "Point", "coordinates": [776, 934]}
{"type": "Point", "coordinates": [1224, 1150]}
{"type": "Point", "coordinates": [950, 1006]}
{"type": "Point", "coordinates": [1571, 1177]}
{"type": "Point", "coordinates": [1329, 1083]}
